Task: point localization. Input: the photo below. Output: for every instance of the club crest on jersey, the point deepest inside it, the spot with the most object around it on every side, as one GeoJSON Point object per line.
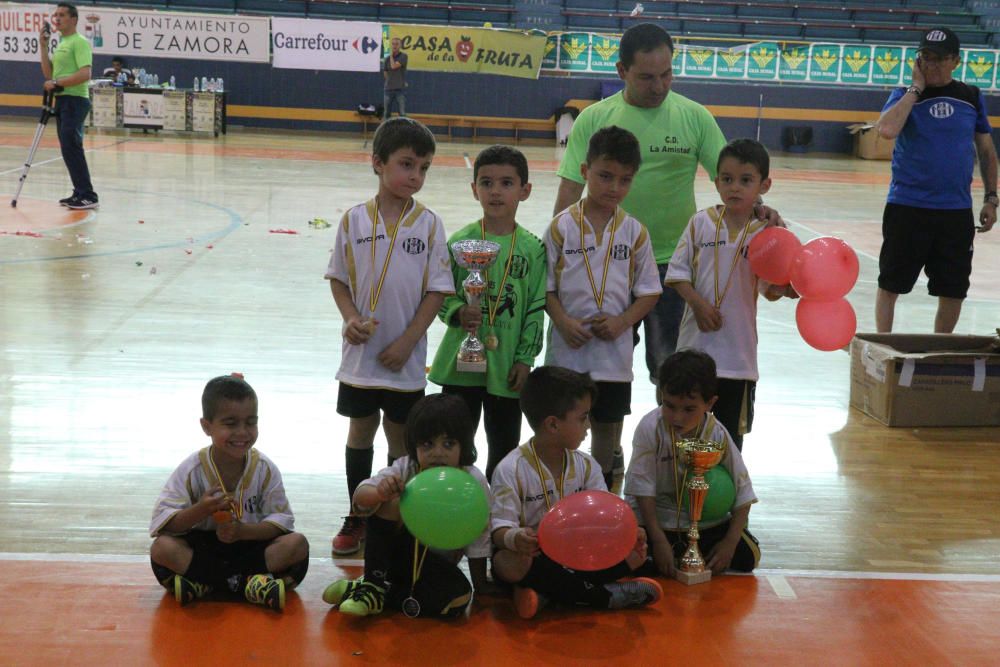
{"type": "Point", "coordinates": [413, 246]}
{"type": "Point", "coordinates": [518, 267]}
{"type": "Point", "coordinates": [621, 251]}
{"type": "Point", "coordinates": [942, 110]}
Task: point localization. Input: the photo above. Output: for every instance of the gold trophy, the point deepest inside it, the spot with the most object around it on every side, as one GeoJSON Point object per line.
{"type": "Point", "coordinates": [700, 456]}
{"type": "Point", "coordinates": [476, 256]}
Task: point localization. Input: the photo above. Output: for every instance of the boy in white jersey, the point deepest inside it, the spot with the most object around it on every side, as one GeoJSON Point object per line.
{"type": "Point", "coordinates": [602, 281]}
{"type": "Point", "coordinates": [654, 481]}
{"type": "Point", "coordinates": [710, 270]}
{"type": "Point", "coordinates": [222, 521]}
{"type": "Point", "coordinates": [533, 478]}
{"type": "Point", "coordinates": [389, 273]}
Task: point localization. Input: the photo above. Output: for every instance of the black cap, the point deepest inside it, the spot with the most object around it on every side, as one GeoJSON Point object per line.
{"type": "Point", "coordinates": [940, 40]}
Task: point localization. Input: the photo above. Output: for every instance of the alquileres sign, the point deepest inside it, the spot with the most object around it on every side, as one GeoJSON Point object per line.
{"type": "Point", "coordinates": [353, 46]}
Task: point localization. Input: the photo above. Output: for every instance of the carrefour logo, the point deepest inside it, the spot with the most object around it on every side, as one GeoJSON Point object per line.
{"type": "Point", "coordinates": [942, 110]}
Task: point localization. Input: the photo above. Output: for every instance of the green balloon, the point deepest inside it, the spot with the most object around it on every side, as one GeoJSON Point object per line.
{"type": "Point", "coordinates": [444, 507]}
{"type": "Point", "coordinates": [721, 494]}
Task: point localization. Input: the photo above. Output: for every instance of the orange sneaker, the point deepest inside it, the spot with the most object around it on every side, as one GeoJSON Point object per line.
{"type": "Point", "coordinates": [350, 537]}
{"type": "Point", "coordinates": [527, 601]}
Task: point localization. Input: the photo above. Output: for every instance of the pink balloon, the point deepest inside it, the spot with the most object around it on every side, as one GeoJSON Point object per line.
{"type": "Point", "coordinates": [826, 325]}
{"type": "Point", "coordinates": [588, 530]}
{"type": "Point", "coordinates": [825, 268]}
{"type": "Point", "coordinates": [771, 253]}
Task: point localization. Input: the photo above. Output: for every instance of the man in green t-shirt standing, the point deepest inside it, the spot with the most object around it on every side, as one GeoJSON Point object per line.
{"type": "Point", "coordinates": [676, 135]}
{"type": "Point", "coordinates": [69, 72]}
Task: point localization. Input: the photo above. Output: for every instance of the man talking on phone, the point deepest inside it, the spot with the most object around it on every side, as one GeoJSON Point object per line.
{"type": "Point", "coordinates": [940, 126]}
{"type": "Point", "coordinates": [68, 73]}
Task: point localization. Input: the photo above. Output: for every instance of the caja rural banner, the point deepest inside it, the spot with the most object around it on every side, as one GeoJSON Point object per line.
{"type": "Point", "coordinates": [468, 50]}
{"type": "Point", "coordinates": [143, 34]}
{"type": "Point", "coordinates": [352, 46]}
{"type": "Point", "coordinates": [827, 63]}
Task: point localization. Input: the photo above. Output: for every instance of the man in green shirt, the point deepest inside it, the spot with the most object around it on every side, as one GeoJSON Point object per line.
{"type": "Point", "coordinates": [676, 135]}
{"type": "Point", "coordinates": [68, 73]}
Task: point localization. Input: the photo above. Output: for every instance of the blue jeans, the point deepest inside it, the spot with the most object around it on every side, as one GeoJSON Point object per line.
{"type": "Point", "coordinates": [400, 100]}
{"type": "Point", "coordinates": [662, 326]}
{"type": "Point", "coordinates": [72, 113]}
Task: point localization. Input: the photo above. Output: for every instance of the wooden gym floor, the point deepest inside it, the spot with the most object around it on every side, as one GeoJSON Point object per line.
{"type": "Point", "coordinates": [879, 545]}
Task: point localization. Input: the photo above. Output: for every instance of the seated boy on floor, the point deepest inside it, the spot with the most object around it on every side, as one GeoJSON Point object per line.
{"type": "Point", "coordinates": [686, 386]}
{"type": "Point", "coordinates": [533, 478]}
{"type": "Point", "coordinates": [222, 521]}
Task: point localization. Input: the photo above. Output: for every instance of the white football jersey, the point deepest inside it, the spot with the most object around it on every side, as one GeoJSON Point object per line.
{"type": "Point", "coordinates": [623, 246]}
{"type": "Point", "coordinates": [419, 264]}
{"type": "Point", "coordinates": [260, 494]}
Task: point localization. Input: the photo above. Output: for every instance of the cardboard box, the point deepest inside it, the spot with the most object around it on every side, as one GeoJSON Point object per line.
{"type": "Point", "coordinates": [926, 380]}
{"type": "Point", "coordinates": [868, 145]}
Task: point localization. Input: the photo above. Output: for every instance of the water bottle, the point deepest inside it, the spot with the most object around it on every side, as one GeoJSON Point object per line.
{"type": "Point", "coordinates": [156, 80]}
{"type": "Point", "coordinates": [204, 84]}
{"type": "Point", "coordinates": [173, 82]}
{"type": "Point", "coordinates": [194, 86]}
{"type": "Point", "coordinates": [220, 89]}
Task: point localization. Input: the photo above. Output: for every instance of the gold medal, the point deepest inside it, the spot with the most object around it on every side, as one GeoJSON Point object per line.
{"type": "Point", "coordinates": [491, 341]}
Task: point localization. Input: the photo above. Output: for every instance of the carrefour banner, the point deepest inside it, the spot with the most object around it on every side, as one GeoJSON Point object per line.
{"type": "Point", "coordinates": [143, 34]}
{"type": "Point", "coordinates": [469, 50]}
{"type": "Point", "coordinates": [352, 46]}
{"type": "Point", "coordinates": [826, 63]}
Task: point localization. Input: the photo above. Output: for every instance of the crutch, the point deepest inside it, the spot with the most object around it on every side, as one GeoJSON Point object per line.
{"type": "Point", "coordinates": [48, 110]}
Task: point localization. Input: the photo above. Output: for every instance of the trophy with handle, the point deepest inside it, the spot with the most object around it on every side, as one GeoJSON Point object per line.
{"type": "Point", "coordinates": [700, 456]}
{"type": "Point", "coordinates": [476, 256]}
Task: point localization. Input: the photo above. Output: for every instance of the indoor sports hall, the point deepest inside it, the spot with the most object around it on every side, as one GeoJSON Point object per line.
{"type": "Point", "coordinates": [880, 545]}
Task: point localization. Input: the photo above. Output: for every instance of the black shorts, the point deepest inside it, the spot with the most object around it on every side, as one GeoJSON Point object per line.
{"type": "Point", "coordinates": [735, 405]}
{"type": "Point", "coordinates": [360, 402]}
{"type": "Point", "coordinates": [614, 401]}
{"type": "Point", "coordinates": [939, 241]}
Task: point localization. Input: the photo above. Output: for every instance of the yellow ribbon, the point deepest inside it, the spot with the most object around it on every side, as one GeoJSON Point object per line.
{"type": "Point", "coordinates": [598, 297]}
{"type": "Point", "coordinates": [541, 476]}
{"type": "Point", "coordinates": [376, 294]}
{"type": "Point", "coordinates": [494, 304]}
{"type": "Point", "coordinates": [736, 257]}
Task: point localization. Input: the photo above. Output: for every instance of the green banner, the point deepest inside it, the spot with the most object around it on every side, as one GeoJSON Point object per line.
{"type": "Point", "coordinates": [911, 54]}
{"type": "Point", "coordinates": [763, 61]}
{"type": "Point", "coordinates": [550, 59]}
{"type": "Point", "coordinates": [603, 53]}
{"type": "Point", "coordinates": [731, 64]}
{"type": "Point", "coordinates": [699, 61]}
{"type": "Point", "coordinates": [794, 64]}
{"type": "Point", "coordinates": [574, 51]}
{"type": "Point", "coordinates": [856, 66]}
{"type": "Point", "coordinates": [887, 65]}
{"type": "Point", "coordinates": [980, 68]}
{"type": "Point", "coordinates": [824, 62]}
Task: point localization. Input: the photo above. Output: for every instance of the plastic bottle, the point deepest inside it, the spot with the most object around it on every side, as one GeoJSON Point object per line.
{"type": "Point", "coordinates": [220, 89]}
{"type": "Point", "coordinates": [204, 84]}
{"type": "Point", "coordinates": [173, 82]}
{"type": "Point", "coordinates": [156, 80]}
{"type": "Point", "coordinates": [194, 86]}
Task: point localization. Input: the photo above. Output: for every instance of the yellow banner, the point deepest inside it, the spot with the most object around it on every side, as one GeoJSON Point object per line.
{"type": "Point", "coordinates": [469, 50]}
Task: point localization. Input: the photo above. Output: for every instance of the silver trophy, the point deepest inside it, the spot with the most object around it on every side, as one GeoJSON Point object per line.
{"type": "Point", "coordinates": [476, 256]}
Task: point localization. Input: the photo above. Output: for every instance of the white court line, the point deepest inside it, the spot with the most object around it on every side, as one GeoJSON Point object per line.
{"type": "Point", "coordinates": [59, 159]}
{"type": "Point", "coordinates": [781, 587]}
{"type": "Point", "coordinates": [468, 162]}
{"type": "Point", "coordinates": [357, 562]}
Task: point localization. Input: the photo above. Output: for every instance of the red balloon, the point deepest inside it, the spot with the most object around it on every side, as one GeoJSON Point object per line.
{"type": "Point", "coordinates": [826, 325]}
{"type": "Point", "coordinates": [825, 268]}
{"type": "Point", "coordinates": [588, 530]}
{"type": "Point", "coordinates": [771, 253]}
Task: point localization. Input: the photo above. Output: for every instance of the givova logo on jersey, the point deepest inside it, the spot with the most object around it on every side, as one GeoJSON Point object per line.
{"type": "Point", "coordinates": [942, 109]}
{"type": "Point", "coordinates": [414, 246]}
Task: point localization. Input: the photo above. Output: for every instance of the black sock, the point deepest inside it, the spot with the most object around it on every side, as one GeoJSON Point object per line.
{"type": "Point", "coordinates": [609, 480]}
{"type": "Point", "coordinates": [380, 535]}
{"type": "Point", "coordinates": [359, 468]}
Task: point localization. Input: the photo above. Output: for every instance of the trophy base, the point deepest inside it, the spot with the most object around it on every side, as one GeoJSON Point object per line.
{"type": "Point", "coordinates": [692, 578]}
{"type": "Point", "coordinates": [471, 366]}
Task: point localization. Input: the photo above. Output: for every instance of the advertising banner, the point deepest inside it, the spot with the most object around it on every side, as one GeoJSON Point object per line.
{"type": "Point", "coordinates": [888, 65]}
{"type": "Point", "coordinates": [551, 58]}
{"type": "Point", "coordinates": [794, 63]}
{"type": "Point", "coordinates": [19, 28]}
{"type": "Point", "coordinates": [857, 64]}
{"type": "Point", "coordinates": [731, 64]}
{"type": "Point", "coordinates": [824, 62]}
{"type": "Point", "coordinates": [604, 54]}
{"type": "Point", "coordinates": [470, 50]}
{"type": "Point", "coordinates": [349, 46]}
{"type": "Point", "coordinates": [980, 68]}
{"type": "Point", "coordinates": [142, 108]}
{"type": "Point", "coordinates": [574, 49]}
{"type": "Point", "coordinates": [763, 62]}
{"type": "Point", "coordinates": [699, 61]}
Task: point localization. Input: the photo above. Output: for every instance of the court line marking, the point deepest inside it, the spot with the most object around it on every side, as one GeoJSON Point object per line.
{"type": "Point", "coordinates": [59, 158]}
{"type": "Point", "coordinates": [777, 574]}
{"type": "Point", "coordinates": [468, 163]}
{"type": "Point", "coordinates": [781, 587]}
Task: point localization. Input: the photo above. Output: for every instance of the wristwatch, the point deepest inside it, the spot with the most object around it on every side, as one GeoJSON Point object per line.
{"type": "Point", "coordinates": [991, 198]}
{"type": "Point", "coordinates": [916, 90]}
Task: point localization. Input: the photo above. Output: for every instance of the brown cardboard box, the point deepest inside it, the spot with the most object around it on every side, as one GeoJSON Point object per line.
{"type": "Point", "coordinates": [868, 145]}
{"type": "Point", "coordinates": [926, 380]}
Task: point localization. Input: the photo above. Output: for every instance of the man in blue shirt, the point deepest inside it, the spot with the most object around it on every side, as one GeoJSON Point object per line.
{"type": "Point", "coordinates": [940, 125]}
